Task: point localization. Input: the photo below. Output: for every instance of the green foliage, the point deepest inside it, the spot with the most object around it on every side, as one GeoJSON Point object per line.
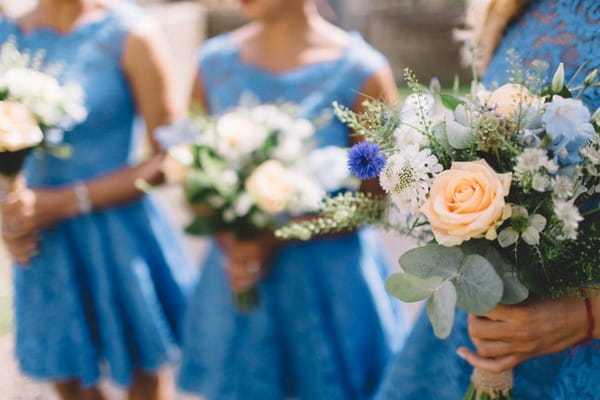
{"type": "Point", "coordinates": [343, 212]}
{"type": "Point", "coordinates": [376, 124]}
{"type": "Point", "coordinates": [474, 277]}
{"type": "Point", "coordinates": [558, 269]}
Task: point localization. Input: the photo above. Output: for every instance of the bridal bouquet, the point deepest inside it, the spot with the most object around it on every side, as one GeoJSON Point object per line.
{"type": "Point", "coordinates": [250, 170]}
{"type": "Point", "coordinates": [33, 105]}
{"type": "Point", "coordinates": [507, 182]}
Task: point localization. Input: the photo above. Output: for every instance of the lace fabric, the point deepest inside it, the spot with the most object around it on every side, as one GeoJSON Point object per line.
{"type": "Point", "coordinates": [108, 288]}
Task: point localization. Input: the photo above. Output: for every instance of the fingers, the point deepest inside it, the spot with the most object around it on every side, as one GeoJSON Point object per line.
{"type": "Point", "coordinates": [497, 365]}
{"type": "Point", "coordinates": [23, 249]}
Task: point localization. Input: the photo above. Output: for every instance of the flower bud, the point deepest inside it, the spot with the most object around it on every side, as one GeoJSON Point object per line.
{"type": "Point", "coordinates": [591, 78]}
{"type": "Point", "coordinates": [558, 82]}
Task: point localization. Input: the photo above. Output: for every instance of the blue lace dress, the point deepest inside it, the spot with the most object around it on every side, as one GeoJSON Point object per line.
{"type": "Point", "coordinates": [325, 327]}
{"type": "Point", "coordinates": [428, 368]}
{"type": "Point", "coordinates": [107, 289]}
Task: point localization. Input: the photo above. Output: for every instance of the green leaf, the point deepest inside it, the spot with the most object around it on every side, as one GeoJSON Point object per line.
{"type": "Point", "coordinates": [204, 225]}
{"type": "Point", "coordinates": [441, 309]}
{"type": "Point", "coordinates": [514, 291]}
{"type": "Point", "coordinates": [410, 288]}
{"type": "Point", "coordinates": [479, 287]}
{"type": "Point", "coordinates": [451, 102]}
{"type": "Point", "coordinates": [432, 260]}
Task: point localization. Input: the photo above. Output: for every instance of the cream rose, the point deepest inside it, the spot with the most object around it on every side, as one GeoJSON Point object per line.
{"type": "Point", "coordinates": [467, 201]}
{"type": "Point", "coordinates": [18, 128]}
{"type": "Point", "coordinates": [509, 98]}
{"type": "Point", "coordinates": [271, 186]}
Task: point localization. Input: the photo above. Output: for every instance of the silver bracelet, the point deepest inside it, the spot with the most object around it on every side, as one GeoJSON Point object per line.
{"type": "Point", "coordinates": [82, 194]}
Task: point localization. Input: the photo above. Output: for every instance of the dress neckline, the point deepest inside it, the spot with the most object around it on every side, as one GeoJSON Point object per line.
{"type": "Point", "coordinates": [354, 36]}
{"type": "Point", "coordinates": [77, 29]}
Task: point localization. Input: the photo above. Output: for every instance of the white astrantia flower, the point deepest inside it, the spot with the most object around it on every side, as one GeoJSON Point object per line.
{"type": "Point", "coordinates": [407, 177]}
{"type": "Point", "coordinates": [568, 214]}
{"type": "Point", "coordinates": [525, 226]}
{"type": "Point", "coordinates": [533, 168]}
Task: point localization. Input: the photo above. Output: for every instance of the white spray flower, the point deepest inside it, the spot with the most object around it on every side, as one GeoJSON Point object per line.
{"type": "Point", "coordinates": [407, 177]}
{"type": "Point", "coordinates": [569, 216]}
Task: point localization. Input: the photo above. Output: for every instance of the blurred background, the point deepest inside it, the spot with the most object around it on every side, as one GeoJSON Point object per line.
{"type": "Point", "coordinates": [411, 33]}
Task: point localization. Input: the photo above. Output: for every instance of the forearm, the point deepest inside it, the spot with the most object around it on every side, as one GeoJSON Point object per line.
{"type": "Point", "coordinates": [114, 189]}
{"type": "Point", "coordinates": [595, 302]}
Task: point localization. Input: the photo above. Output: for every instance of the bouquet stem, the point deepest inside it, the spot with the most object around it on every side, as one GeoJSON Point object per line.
{"type": "Point", "coordinates": [487, 385]}
{"type": "Point", "coordinates": [247, 300]}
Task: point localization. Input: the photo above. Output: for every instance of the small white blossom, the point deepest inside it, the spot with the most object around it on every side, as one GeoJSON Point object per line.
{"type": "Point", "coordinates": [563, 187]}
{"type": "Point", "coordinates": [533, 168]}
{"type": "Point", "coordinates": [523, 225]}
{"type": "Point", "coordinates": [569, 216]}
{"type": "Point", "coordinates": [243, 204]}
{"type": "Point", "coordinates": [407, 177]}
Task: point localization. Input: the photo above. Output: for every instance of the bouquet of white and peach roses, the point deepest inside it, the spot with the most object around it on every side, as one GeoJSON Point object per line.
{"type": "Point", "coordinates": [251, 169]}
{"type": "Point", "coordinates": [33, 105]}
{"type": "Point", "coordinates": [507, 182]}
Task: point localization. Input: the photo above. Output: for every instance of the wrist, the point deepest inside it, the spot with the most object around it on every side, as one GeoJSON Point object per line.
{"type": "Point", "coordinates": [595, 305]}
{"type": "Point", "coordinates": [77, 201]}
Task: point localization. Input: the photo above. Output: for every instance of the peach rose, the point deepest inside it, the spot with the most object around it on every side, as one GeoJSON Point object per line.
{"type": "Point", "coordinates": [509, 98]}
{"type": "Point", "coordinates": [467, 201]}
{"type": "Point", "coordinates": [18, 128]}
{"type": "Point", "coordinates": [271, 186]}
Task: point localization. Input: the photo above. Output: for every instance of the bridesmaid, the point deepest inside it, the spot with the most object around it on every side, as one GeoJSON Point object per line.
{"type": "Point", "coordinates": [100, 283]}
{"type": "Point", "coordinates": [543, 340]}
{"type": "Point", "coordinates": [323, 328]}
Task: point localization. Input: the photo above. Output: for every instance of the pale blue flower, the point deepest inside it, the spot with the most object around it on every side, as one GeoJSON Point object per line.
{"type": "Point", "coordinates": [568, 123]}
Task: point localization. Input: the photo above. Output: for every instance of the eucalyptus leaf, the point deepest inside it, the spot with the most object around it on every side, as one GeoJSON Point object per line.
{"type": "Point", "coordinates": [410, 288]}
{"type": "Point", "coordinates": [441, 309]}
{"type": "Point", "coordinates": [432, 260]}
{"type": "Point", "coordinates": [514, 291]}
{"type": "Point", "coordinates": [478, 285]}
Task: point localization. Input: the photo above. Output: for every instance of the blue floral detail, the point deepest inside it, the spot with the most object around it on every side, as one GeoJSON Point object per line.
{"type": "Point", "coordinates": [365, 160]}
{"type": "Point", "coordinates": [568, 123]}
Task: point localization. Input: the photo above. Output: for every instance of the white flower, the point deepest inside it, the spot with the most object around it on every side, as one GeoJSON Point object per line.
{"type": "Point", "coordinates": [563, 187]}
{"type": "Point", "coordinates": [18, 128]}
{"type": "Point", "coordinates": [409, 133]}
{"type": "Point", "coordinates": [569, 216]}
{"type": "Point", "coordinates": [302, 128]}
{"type": "Point", "coordinates": [328, 167]}
{"type": "Point", "coordinates": [289, 149]}
{"type": "Point", "coordinates": [417, 103]}
{"type": "Point", "coordinates": [229, 177]}
{"type": "Point", "coordinates": [272, 186]}
{"type": "Point", "coordinates": [307, 194]}
{"type": "Point", "coordinates": [533, 168]}
{"type": "Point", "coordinates": [229, 215]}
{"type": "Point", "coordinates": [243, 204]}
{"type": "Point", "coordinates": [177, 163]}
{"type": "Point", "coordinates": [215, 201]}
{"type": "Point", "coordinates": [522, 225]}
{"type": "Point", "coordinates": [238, 135]}
{"type": "Point", "coordinates": [259, 219]}
{"type": "Point", "coordinates": [407, 177]}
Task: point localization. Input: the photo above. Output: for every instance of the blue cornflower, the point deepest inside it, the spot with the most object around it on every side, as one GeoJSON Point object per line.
{"type": "Point", "coordinates": [365, 160]}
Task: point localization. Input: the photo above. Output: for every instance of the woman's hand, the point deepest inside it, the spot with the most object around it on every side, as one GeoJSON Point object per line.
{"type": "Point", "coordinates": [247, 260]}
{"type": "Point", "coordinates": [510, 335]}
{"type": "Point", "coordinates": [25, 212]}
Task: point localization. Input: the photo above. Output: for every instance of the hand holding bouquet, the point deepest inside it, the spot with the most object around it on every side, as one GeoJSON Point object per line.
{"type": "Point", "coordinates": [32, 104]}
{"type": "Point", "coordinates": [251, 169]}
{"type": "Point", "coordinates": [507, 181]}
